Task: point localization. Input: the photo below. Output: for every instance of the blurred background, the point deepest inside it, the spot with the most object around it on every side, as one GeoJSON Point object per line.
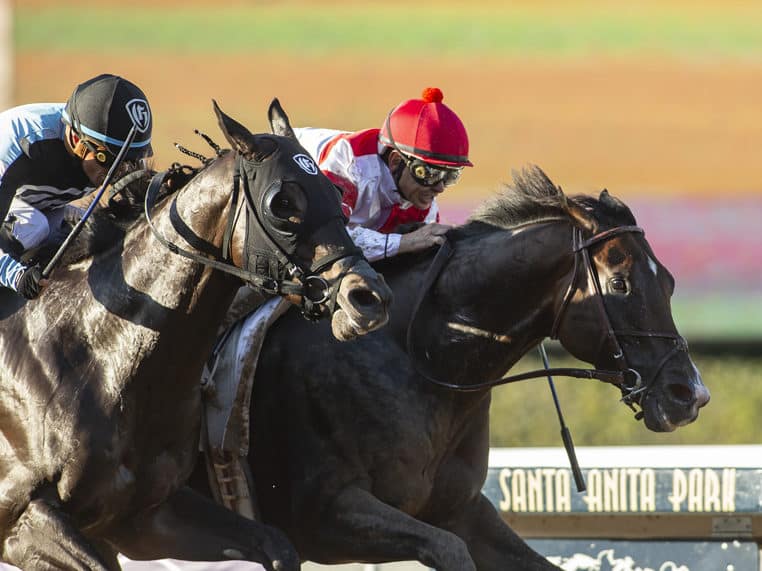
{"type": "Point", "coordinates": [659, 101]}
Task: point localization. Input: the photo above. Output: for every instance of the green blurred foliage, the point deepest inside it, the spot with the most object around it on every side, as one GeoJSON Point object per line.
{"type": "Point", "coordinates": [523, 414]}
{"type": "Point", "coordinates": [453, 28]}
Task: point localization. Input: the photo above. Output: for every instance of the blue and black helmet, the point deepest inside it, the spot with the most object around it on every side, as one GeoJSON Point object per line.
{"type": "Point", "coordinates": [104, 109]}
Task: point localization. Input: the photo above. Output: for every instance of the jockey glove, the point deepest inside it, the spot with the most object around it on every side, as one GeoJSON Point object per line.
{"type": "Point", "coordinates": [28, 285]}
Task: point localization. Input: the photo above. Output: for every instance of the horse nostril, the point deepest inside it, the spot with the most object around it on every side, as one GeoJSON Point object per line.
{"type": "Point", "coordinates": [363, 298]}
{"type": "Point", "coordinates": [681, 392]}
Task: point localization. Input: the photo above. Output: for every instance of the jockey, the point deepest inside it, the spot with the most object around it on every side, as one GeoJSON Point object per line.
{"type": "Point", "coordinates": [387, 176]}
{"type": "Point", "coordinates": [54, 153]}
{"type": "Point", "coordinates": [392, 175]}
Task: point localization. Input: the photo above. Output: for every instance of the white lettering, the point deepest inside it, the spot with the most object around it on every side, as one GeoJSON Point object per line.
{"type": "Point", "coordinates": [679, 489]}
{"type": "Point", "coordinates": [549, 490]}
{"type": "Point", "coordinates": [610, 497]}
{"type": "Point", "coordinates": [519, 491]}
{"type": "Point", "coordinates": [729, 490]}
{"type": "Point", "coordinates": [648, 490]}
{"type": "Point", "coordinates": [632, 474]}
{"type": "Point", "coordinates": [695, 490]}
{"type": "Point", "coordinates": [548, 475]}
{"type": "Point", "coordinates": [563, 491]}
{"type": "Point", "coordinates": [534, 490]}
{"type": "Point", "coordinates": [505, 503]}
{"type": "Point", "coordinates": [711, 491]}
{"type": "Point", "coordinates": [594, 497]}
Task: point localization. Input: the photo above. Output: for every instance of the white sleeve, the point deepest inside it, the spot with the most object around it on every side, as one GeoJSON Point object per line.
{"type": "Point", "coordinates": [374, 245]}
{"type": "Point", "coordinates": [433, 215]}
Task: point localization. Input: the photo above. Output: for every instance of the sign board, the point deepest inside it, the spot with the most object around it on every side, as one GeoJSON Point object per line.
{"type": "Point", "coordinates": [626, 490]}
{"type": "Point", "coordinates": [628, 480]}
{"type": "Point", "coordinates": [646, 508]}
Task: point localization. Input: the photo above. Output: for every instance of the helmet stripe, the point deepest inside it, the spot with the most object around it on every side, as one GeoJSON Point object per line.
{"type": "Point", "coordinates": [423, 152]}
{"type": "Point", "coordinates": [102, 137]}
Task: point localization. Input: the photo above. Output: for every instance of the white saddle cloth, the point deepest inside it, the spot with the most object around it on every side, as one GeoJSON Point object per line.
{"type": "Point", "coordinates": [228, 381]}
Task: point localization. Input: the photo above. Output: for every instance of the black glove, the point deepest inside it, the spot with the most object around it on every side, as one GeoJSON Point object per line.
{"type": "Point", "coordinates": [29, 283]}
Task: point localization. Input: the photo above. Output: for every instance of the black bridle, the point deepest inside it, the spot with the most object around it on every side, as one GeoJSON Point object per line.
{"type": "Point", "coordinates": [317, 295]}
{"type": "Point", "coordinates": [630, 382]}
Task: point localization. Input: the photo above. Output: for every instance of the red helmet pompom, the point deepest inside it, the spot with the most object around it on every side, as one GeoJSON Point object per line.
{"type": "Point", "coordinates": [432, 95]}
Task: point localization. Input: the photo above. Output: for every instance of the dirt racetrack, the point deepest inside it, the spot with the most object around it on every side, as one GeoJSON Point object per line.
{"type": "Point", "coordinates": [678, 140]}
{"type": "Point", "coordinates": [642, 128]}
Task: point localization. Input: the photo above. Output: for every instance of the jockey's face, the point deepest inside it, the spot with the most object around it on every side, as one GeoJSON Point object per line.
{"type": "Point", "coordinates": [94, 170]}
{"type": "Point", "coordinates": [421, 196]}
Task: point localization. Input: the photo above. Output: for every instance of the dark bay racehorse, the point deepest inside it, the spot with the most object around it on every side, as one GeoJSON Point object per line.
{"type": "Point", "coordinates": [99, 377]}
{"type": "Point", "coordinates": [357, 456]}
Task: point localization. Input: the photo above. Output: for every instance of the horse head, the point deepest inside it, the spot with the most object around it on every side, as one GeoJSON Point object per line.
{"type": "Point", "coordinates": [293, 232]}
{"type": "Point", "coordinates": [616, 314]}
{"type": "Point", "coordinates": [599, 289]}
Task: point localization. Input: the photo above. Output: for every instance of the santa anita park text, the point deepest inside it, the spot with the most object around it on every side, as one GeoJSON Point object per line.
{"type": "Point", "coordinates": [630, 490]}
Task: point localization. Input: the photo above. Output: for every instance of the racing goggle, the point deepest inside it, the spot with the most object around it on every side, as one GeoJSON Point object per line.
{"type": "Point", "coordinates": [427, 174]}
{"type": "Point", "coordinates": [102, 154]}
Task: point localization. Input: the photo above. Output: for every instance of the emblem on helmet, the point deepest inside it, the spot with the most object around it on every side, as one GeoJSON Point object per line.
{"type": "Point", "coordinates": [306, 163]}
{"type": "Point", "coordinates": [140, 114]}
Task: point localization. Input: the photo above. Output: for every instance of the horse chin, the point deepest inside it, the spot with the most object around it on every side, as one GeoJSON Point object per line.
{"type": "Point", "coordinates": [344, 328]}
{"type": "Point", "coordinates": [658, 419]}
{"type": "Point", "coordinates": [655, 418]}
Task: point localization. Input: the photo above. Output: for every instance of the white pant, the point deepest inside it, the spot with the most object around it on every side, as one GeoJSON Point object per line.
{"type": "Point", "coordinates": [32, 227]}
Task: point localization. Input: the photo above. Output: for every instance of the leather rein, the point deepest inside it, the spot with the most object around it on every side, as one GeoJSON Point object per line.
{"type": "Point", "coordinates": [627, 379]}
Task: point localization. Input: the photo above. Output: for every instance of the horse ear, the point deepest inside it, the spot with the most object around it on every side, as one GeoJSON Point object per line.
{"type": "Point", "coordinates": [582, 216]}
{"type": "Point", "coordinates": [610, 201]}
{"type": "Point", "coordinates": [279, 122]}
{"type": "Point", "coordinates": [617, 206]}
{"type": "Point", "coordinates": [237, 135]}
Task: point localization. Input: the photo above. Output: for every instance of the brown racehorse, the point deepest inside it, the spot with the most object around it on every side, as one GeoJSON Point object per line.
{"type": "Point", "coordinates": [358, 456]}
{"type": "Point", "coordinates": [99, 377]}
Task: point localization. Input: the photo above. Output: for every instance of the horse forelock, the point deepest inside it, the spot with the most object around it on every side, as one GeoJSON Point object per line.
{"type": "Point", "coordinates": [533, 197]}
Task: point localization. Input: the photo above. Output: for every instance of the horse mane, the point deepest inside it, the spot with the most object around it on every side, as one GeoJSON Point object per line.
{"type": "Point", "coordinates": [108, 225]}
{"type": "Point", "coordinates": [533, 197]}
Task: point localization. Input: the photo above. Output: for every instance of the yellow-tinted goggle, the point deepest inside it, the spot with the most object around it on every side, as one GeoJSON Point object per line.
{"type": "Point", "coordinates": [426, 174]}
{"type": "Point", "coordinates": [101, 154]}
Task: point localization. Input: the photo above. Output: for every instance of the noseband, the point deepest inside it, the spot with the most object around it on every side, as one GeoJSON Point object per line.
{"type": "Point", "coordinates": [317, 295]}
{"type": "Point", "coordinates": [634, 390]}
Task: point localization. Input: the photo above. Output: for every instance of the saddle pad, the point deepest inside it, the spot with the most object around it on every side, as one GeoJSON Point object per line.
{"type": "Point", "coordinates": [229, 377]}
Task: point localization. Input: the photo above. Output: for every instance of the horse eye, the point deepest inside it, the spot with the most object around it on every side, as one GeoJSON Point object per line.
{"type": "Point", "coordinates": [284, 208]}
{"type": "Point", "coordinates": [618, 285]}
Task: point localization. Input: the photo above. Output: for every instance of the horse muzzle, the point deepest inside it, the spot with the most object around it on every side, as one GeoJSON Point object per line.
{"type": "Point", "coordinates": [675, 398]}
{"type": "Point", "coordinates": [363, 303]}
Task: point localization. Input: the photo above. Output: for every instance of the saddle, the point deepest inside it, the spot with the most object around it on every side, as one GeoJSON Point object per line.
{"type": "Point", "coordinates": [226, 385]}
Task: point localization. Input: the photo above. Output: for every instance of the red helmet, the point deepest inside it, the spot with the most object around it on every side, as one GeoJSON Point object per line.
{"type": "Point", "coordinates": [427, 129]}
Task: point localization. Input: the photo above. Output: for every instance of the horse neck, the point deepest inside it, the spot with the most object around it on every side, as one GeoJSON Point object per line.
{"type": "Point", "coordinates": [495, 299]}
{"type": "Point", "coordinates": [194, 220]}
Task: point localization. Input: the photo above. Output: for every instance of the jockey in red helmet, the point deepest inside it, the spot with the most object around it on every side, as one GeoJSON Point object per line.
{"type": "Point", "coordinates": [392, 175]}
